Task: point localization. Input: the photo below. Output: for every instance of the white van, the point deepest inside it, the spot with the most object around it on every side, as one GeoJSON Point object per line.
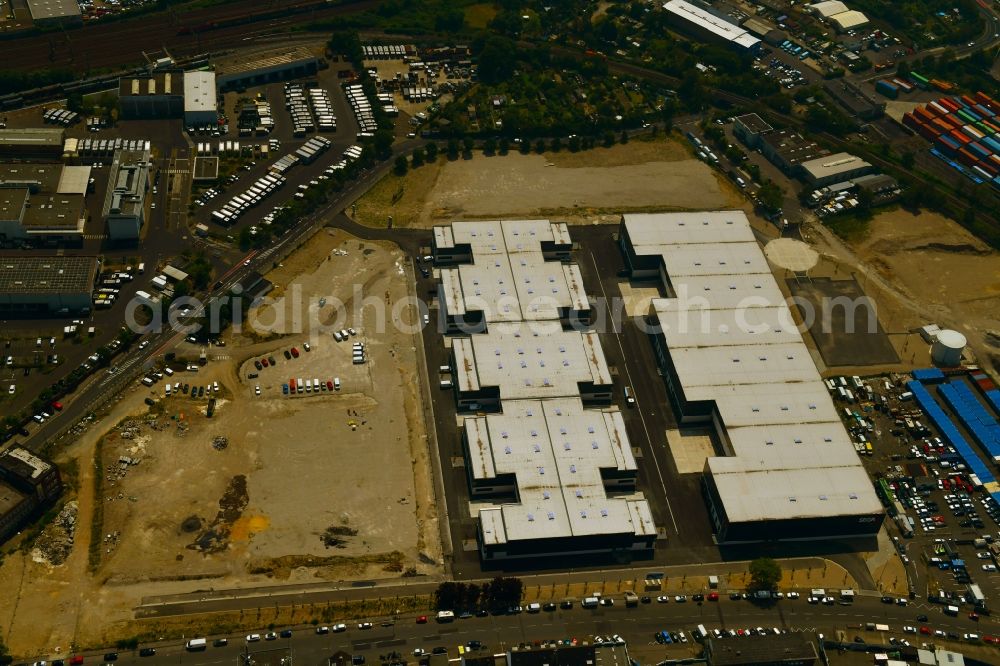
{"type": "Point", "coordinates": [309, 384]}
{"type": "Point", "coordinates": [196, 644]}
{"type": "Point", "coordinates": [591, 602]}
{"type": "Point", "coordinates": [336, 383]}
{"type": "Point", "coordinates": [446, 383]}
{"type": "Point", "coordinates": [444, 369]}
{"type": "Point", "coordinates": [445, 616]}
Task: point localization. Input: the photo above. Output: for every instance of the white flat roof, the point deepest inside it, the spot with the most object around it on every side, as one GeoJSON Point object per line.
{"type": "Point", "coordinates": [74, 180]}
{"type": "Point", "coordinates": [831, 165]}
{"type": "Point", "coordinates": [849, 19]}
{"type": "Point", "coordinates": [501, 236]}
{"type": "Point", "coordinates": [556, 450]}
{"type": "Point", "coordinates": [732, 341]}
{"type": "Point", "coordinates": [710, 22]}
{"type": "Point", "coordinates": [199, 91]}
{"type": "Point", "coordinates": [530, 360]}
{"type": "Point", "coordinates": [519, 287]}
{"type": "Point", "coordinates": [828, 8]}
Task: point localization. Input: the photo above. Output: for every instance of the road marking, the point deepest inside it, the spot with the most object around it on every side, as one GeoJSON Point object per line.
{"type": "Point", "coordinates": [641, 417]}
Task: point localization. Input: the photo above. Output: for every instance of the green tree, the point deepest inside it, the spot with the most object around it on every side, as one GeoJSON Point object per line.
{"type": "Point", "coordinates": [574, 144]}
{"type": "Point", "coordinates": [765, 574]}
{"type": "Point", "coordinates": [245, 238]}
{"type": "Point", "coordinates": [525, 147]}
{"type": "Point", "coordinates": [496, 59]}
{"type": "Point", "coordinates": [771, 196]}
{"type": "Point", "coordinates": [907, 160]}
{"type": "Point", "coordinates": [624, 137]}
{"type": "Point", "coordinates": [490, 146]}
{"type": "Point", "coordinates": [448, 595]}
{"type": "Point", "coordinates": [467, 145]}
{"type": "Point", "coordinates": [503, 592]}
{"type": "Point", "coordinates": [383, 143]}
{"type": "Point", "coordinates": [556, 145]}
{"type": "Point", "coordinates": [432, 152]}
{"type": "Point", "coordinates": [401, 165]}
{"type": "Point", "coordinates": [609, 139]}
{"type": "Point", "coordinates": [504, 145]}
{"type": "Point", "coordinates": [417, 157]}
{"type": "Point", "coordinates": [452, 149]}
{"type": "Point", "coordinates": [540, 146]}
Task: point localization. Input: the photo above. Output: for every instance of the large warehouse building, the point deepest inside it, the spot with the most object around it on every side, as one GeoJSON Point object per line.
{"type": "Point", "coordinates": [508, 271]}
{"type": "Point", "coordinates": [549, 474]}
{"type": "Point", "coordinates": [834, 169]}
{"type": "Point", "coordinates": [42, 204]}
{"type": "Point", "coordinates": [34, 143]}
{"type": "Point", "coordinates": [278, 64]}
{"type": "Point", "coordinates": [46, 285]}
{"type": "Point", "coordinates": [199, 99]}
{"type": "Point", "coordinates": [700, 21]}
{"type": "Point", "coordinates": [159, 94]}
{"type": "Point", "coordinates": [733, 359]}
{"type": "Point", "coordinates": [125, 200]}
{"type": "Point", "coordinates": [53, 12]}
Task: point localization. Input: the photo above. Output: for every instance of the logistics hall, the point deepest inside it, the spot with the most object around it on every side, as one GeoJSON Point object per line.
{"type": "Point", "coordinates": [732, 358]}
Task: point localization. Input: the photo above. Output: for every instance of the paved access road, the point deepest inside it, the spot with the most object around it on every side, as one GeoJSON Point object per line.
{"type": "Point", "coordinates": [637, 625]}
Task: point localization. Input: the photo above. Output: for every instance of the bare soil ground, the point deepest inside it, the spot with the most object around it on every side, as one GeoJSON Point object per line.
{"type": "Point", "coordinates": [328, 486]}
{"type": "Point", "coordinates": [582, 187]}
{"type": "Point", "coordinates": [921, 269]}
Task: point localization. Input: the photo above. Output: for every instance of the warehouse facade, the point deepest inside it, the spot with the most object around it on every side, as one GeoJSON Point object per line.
{"type": "Point", "coordinates": [550, 471]}
{"type": "Point", "coordinates": [199, 99]}
{"type": "Point", "coordinates": [733, 360]}
{"type": "Point", "coordinates": [156, 95]}
{"type": "Point", "coordinates": [265, 67]}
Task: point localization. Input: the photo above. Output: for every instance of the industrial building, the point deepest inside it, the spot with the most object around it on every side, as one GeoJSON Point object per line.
{"type": "Point", "coordinates": [125, 201]}
{"type": "Point", "coordinates": [27, 484]}
{"type": "Point", "coordinates": [733, 360]}
{"type": "Point", "coordinates": [856, 101]}
{"type": "Point", "coordinates": [290, 62]}
{"type": "Point", "coordinates": [42, 204]}
{"type": "Point", "coordinates": [529, 360]}
{"type": "Point", "coordinates": [53, 12]}
{"type": "Point", "coordinates": [700, 21]}
{"type": "Point", "coordinates": [509, 271]}
{"type": "Point", "coordinates": [828, 8]}
{"type": "Point", "coordinates": [787, 150]}
{"type": "Point", "coordinates": [32, 143]}
{"type": "Point", "coordinates": [849, 20]}
{"type": "Point", "coordinates": [551, 470]}
{"type": "Point", "coordinates": [550, 465]}
{"type": "Point", "coordinates": [46, 285]}
{"type": "Point", "coordinates": [156, 95]}
{"type": "Point", "coordinates": [199, 99]}
{"type": "Point", "coordinates": [833, 169]}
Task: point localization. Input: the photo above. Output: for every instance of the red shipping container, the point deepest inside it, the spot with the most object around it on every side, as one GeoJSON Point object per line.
{"type": "Point", "coordinates": [987, 101]}
{"type": "Point", "coordinates": [968, 100]}
{"type": "Point", "coordinates": [958, 136]}
{"type": "Point", "coordinates": [923, 113]}
{"type": "Point", "coordinates": [988, 168]}
{"type": "Point", "coordinates": [928, 132]}
{"type": "Point", "coordinates": [949, 104]}
{"type": "Point", "coordinates": [956, 123]}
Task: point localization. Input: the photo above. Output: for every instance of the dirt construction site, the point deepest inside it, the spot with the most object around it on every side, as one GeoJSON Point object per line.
{"type": "Point", "coordinates": [328, 485]}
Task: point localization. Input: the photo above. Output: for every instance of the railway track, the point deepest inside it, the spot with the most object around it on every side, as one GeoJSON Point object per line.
{"type": "Point", "coordinates": [120, 44]}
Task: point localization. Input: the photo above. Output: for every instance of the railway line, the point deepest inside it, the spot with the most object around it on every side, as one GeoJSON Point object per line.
{"type": "Point", "coordinates": [120, 44]}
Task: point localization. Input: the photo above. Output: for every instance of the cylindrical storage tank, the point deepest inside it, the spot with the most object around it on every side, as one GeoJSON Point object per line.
{"type": "Point", "coordinates": [947, 349]}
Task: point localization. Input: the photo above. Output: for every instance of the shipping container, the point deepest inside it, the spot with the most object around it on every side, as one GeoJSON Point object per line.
{"type": "Point", "coordinates": [968, 115]}
{"type": "Point", "coordinates": [978, 149]}
{"type": "Point", "coordinates": [924, 113]}
{"type": "Point", "coordinates": [983, 111]}
{"type": "Point", "coordinates": [887, 89]}
{"type": "Point", "coordinates": [949, 103]}
{"type": "Point", "coordinates": [982, 173]}
{"type": "Point", "coordinates": [991, 143]}
{"type": "Point", "coordinates": [972, 132]}
{"type": "Point", "coordinates": [965, 157]}
{"type": "Point", "coordinates": [954, 121]}
{"type": "Point", "coordinates": [919, 80]}
{"type": "Point", "coordinates": [939, 108]}
{"type": "Point", "coordinates": [968, 101]}
{"type": "Point", "coordinates": [948, 144]}
{"type": "Point", "coordinates": [987, 101]}
{"type": "Point", "coordinates": [961, 138]}
{"type": "Point", "coordinates": [902, 85]}
{"type": "Point", "coordinates": [943, 86]}
{"type": "Point", "coordinates": [929, 132]}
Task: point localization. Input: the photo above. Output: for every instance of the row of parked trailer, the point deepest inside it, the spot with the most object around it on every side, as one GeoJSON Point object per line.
{"type": "Point", "coordinates": [106, 147]}
{"type": "Point", "coordinates": [323, 110]}
{"type": "Point", "coordinates": [257, 192]}
{"type": "Point", "coordinates": [386, 52]}
{"type": "Point", "coordinates": [225, 148]}
{"type": "Point", "coordinates": [312, 149]}
{"type": "Point", "coordinates": [362, 108]}
{"type": "Point", "coordinates": [62, 117]}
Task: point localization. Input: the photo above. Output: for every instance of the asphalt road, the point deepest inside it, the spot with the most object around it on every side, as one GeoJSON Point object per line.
{"type": "Point", "coordinates": [637, 625]}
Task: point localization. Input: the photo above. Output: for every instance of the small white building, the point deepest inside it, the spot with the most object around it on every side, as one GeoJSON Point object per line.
{"type": "Point", "coordinates": [199, 98]}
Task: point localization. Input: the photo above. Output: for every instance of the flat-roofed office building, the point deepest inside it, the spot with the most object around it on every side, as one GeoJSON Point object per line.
{"type": "Point", "coordinates": [733, 359]}
{"type": "Point", "coordinates": [32, 285]}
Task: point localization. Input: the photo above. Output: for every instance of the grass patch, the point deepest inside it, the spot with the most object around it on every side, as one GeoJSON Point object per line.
{"type": "Point", "coordinates": [402, 197]}
{"type": "Point", "coordinates": [479, 15]}
{"type": "Point", "coordinates": [848, 227]}
{"type": "Point", "coordinates": [97, 518]}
